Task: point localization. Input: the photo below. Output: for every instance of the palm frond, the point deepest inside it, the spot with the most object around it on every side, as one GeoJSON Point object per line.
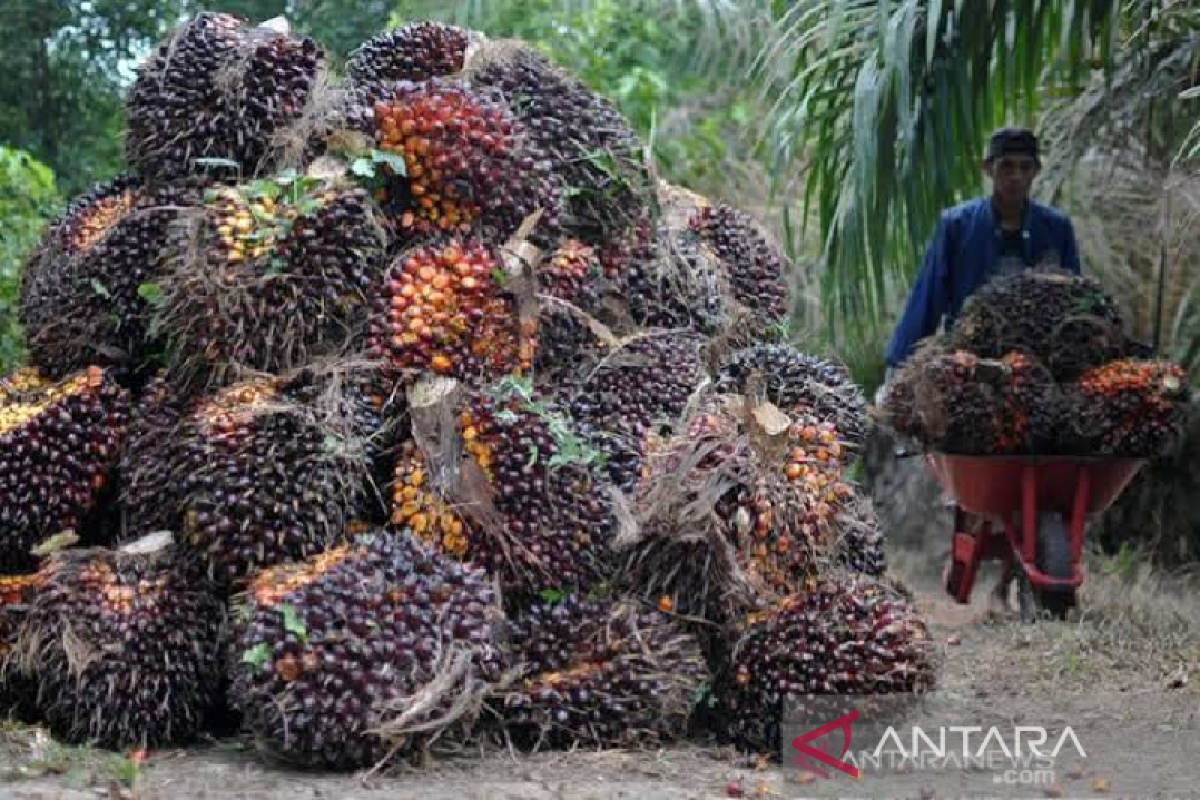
{"type": "Point", "coordinates": [917, 84]}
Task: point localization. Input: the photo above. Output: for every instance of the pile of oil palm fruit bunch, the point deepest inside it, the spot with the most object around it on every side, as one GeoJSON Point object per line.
{"type": "Point", "coordinates": [1039, 363]}
{"type": "Point", "coordinates": [386, 411]}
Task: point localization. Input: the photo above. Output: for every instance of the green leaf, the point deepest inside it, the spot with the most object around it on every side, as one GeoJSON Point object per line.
{"type": "Point", "coordinates": [533, 456]}
{"type": "Point", "coordinates": [394, 161]}
{"type": "Point", "coordinates": [257, 656]}
{"type": "Point", "coordinates": [292, 622]}
{"type": "Point", "coordinates": [551, 596]}
{"type": "Point", "coordinates": [363, 168]}
{"type": "Point", "coordinates": [100, 289]}
{"type": "Point", "coordinates": [500, 277]}
{"type": "Point", "coordinates": [152, 293]}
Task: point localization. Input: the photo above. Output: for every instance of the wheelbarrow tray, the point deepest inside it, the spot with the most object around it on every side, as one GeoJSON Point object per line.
{"type": "Point", "coordinates": [993, 484]}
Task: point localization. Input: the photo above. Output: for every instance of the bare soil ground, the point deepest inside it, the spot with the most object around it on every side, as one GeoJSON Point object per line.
{"type": "Point", "coordinates": [1125, 673]}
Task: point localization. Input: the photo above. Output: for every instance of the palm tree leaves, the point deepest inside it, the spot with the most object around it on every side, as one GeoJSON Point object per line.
{"type": "Point", "coordinates": [890, 103]}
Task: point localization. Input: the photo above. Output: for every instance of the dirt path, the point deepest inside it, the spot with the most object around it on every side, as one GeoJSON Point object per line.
{"type": "Point", "coordinates": [1127, 681]}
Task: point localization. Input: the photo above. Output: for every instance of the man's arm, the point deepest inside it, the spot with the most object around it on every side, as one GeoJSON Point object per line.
{"type": "Point", "coordinates": [927, 301]}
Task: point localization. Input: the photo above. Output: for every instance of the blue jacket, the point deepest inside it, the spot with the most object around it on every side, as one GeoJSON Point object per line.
{"type": "Point", "coordinates": [963, 256]}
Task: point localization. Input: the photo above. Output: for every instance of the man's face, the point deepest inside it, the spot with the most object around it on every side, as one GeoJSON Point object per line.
{"type": "Point", "coordinates": [1012, 176]}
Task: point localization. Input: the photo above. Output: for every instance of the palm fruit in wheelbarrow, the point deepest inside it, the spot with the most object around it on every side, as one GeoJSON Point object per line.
{"type": "Point", "coordinates": [848, 636]}
{"type": "Point", "coordinates": [1134, 408]}
{"type": "Point", "coordinates": [598, 673]}
{"type": "Point", "coordinates": [375, 647]}
{"type": "Point", "coordinates": [217, 93]}
{"type": "Point", "coordinates": [125, 645]}
{"type": "Point", "coordinates": [59, 443]}
{"type": "Point", "coordinates": [1063, 320]}
{"type": "Point", "coordinates": [958, 402]}
{"type": "Point", "coordinates": [734, 511]}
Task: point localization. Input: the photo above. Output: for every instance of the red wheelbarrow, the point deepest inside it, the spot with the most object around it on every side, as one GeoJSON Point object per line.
{"type": "Point", "coordinates": [1027, 511]}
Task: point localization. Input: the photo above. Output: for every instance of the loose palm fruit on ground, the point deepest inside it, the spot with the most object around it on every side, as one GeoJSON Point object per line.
{"type": "Point", "coordinates": [1134, 408]}
{"type": "Point", "coordinates": [17, 692]}
{"type": "Point", "coordinates": [468, 164]}
{"type": "Point", "coordinates": [267, 473]}
{"type": "Point", "coordinates": [413, 53]}
{"type": "Point", "coordinates": [798, 382]}
{"type": "Point", "coordinates": [443, 310]}
{"type": "Point", "coordinates": [217, 89]}
{"type": "Point", "coordinates": [849, 636]}
{"type": "Point", "coordinates": [590, 147]}
{"type": "Point", "coordinates": [271, 275]}
{"type": "Point", "coordinates": [1064, 321]}
{"type": "Point", "coordinates": [598, 673]}
{"type": "Point", "coordinates": [59, 441]}
{"type": "Point", "coordinates": [125, 645]}
{"type": "Point", "coordinates": [332, 655]}
{"type": "Point", "coordinates": [757, 270]}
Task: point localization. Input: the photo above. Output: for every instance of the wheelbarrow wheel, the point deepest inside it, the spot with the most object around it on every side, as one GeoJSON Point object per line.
{"type": "Point", "coordinates": [1054, 559]}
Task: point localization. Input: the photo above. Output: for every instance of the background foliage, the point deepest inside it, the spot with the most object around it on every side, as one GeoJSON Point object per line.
{"type": "Point", "coordinates": [845, 125]}
{"type": "Point", "coordinates": [27, 199]}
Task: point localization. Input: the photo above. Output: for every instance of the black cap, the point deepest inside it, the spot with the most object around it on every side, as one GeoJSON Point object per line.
{"type": "Point", "coordinates": [1012, 141]}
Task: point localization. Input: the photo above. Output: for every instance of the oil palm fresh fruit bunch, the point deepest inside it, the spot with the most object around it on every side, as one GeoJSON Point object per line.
{"type": "Point", "coordinates": [1063, 320]}
{"type": "Point", "coordinates": [444, 309]}
{"type": "Point", "coordinates": [529, 503]}
{"type": "Point", "coordinates": [847, 636]}
{"type": "Point", "coordinates": [799, 383]}
{"type": "Point", "coordinates": [738, 509]}
{"type": "Point", "coordinates": [463, 162]}
{"type": "Point", "coordinates": [1135, 407]}
{"type": "Point", "coordinates": [218, 92]}
{"type": "Point", "coordinates": [600, 672]}
{"type": "Point", "coordinates": [268, 276]}
{"type": "Point", "coordinates": [268, 470]}
{"type": "Point", "coordinates": [125, 645]}
{"type": "Point", "coordinates": [377, 646]}
{"type": "Point", "coordinates": [17, 692]}
{"type": "Point", "coordinates": [59, 443]}
{"type": "Point", "coordinates": [90, 288]}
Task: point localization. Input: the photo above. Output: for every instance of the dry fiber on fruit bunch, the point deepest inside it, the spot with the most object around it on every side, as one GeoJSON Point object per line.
{"type": "Point", "coordinates": [1038, 363]}
{"type": "Point", "coordinates": [17, 692]}
{"type": "Point", "coordinates": [735, 510]}
{"type": "Point", "coordinates": [376, 646]}
{"type": "Point", "coordinates": [453, 264]}
{"type": "Point", "coordinates": [59, 441]}
{"type": "Point", "coordinates": [501, 478]}
{"type": "Point", "coordinates": [124, 645]}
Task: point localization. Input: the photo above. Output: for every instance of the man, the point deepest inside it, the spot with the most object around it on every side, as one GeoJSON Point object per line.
{"type": "Point", "coordinates": [984, 238]}
{"type": "Point", "coordinates": [978, 241]}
